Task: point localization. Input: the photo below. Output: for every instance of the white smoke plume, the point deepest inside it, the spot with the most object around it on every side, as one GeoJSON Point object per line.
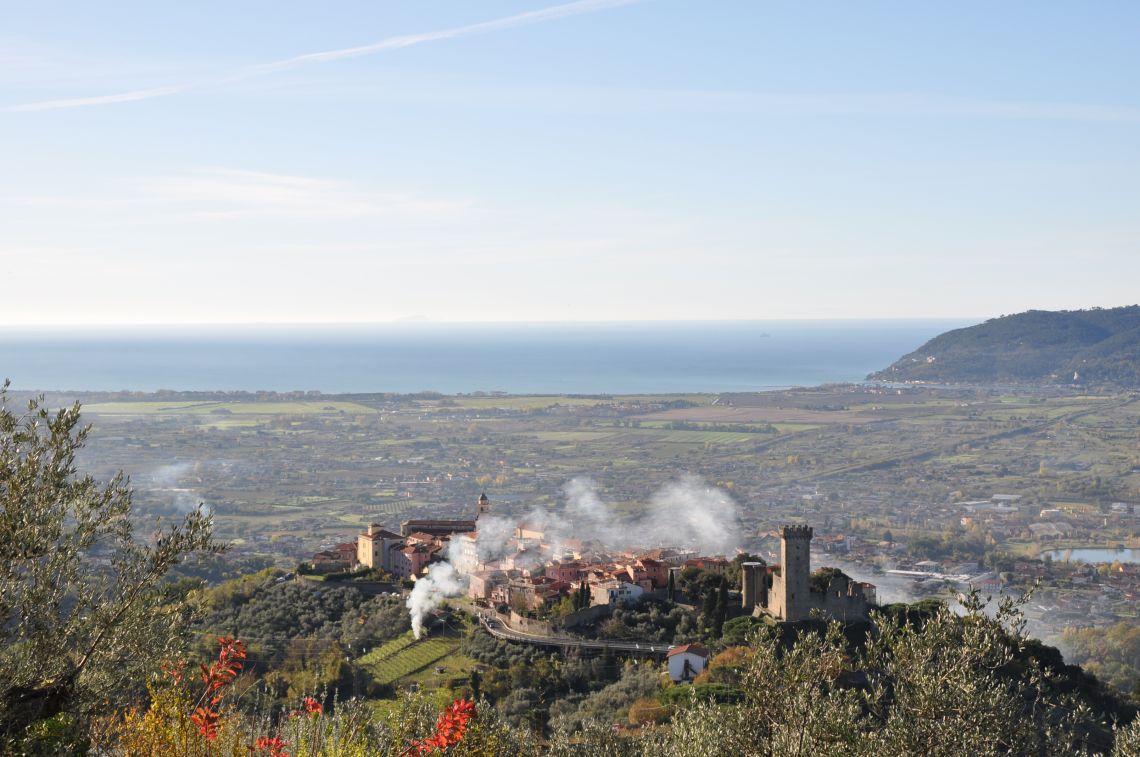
{"type": "Point", "coordinates": [430, 591]}
{"type": "Point", "coordinates": [493, 534]}
{"type": "Point", "coordinates": [585, 510]}
{"type": "Point", "coordinates": [690, 510]}
{"type": "Point", "coordinates": [170, 475]}
{"type": "Point", "coordinates": [167, 480]}
{"type": "Point", "coordinates": [685, 513]}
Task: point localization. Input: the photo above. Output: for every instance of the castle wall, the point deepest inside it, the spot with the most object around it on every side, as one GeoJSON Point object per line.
{"type": "Point", "coordinates": [844, 600]}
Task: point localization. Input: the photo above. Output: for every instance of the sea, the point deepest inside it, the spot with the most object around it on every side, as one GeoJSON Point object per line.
{"type": "Point", "coordinates": [527, 358]}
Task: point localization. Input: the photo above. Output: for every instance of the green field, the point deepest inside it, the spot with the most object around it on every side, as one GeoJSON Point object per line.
{"type": "Point", "coordinates": [710, 437]}
{"type": "Point", "coordinates": [316, 407]}
{"type": "Point", "coordinates": [405, 656]}
{"type": "Point", "coordinates": [573, 436]}
{"type": "Point", "coordinates": [518, 402]}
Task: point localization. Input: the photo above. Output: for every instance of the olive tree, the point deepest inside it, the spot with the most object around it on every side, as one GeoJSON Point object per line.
{"type": "Point", "coordinates": [81, 615]}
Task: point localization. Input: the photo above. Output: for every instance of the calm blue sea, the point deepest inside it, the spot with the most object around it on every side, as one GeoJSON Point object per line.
{"type": "Point", "coordinates": [451, 358]}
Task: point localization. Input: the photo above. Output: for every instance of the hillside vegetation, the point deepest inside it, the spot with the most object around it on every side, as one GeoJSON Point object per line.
{"type": "Point", "coordinates": [1085, 347]}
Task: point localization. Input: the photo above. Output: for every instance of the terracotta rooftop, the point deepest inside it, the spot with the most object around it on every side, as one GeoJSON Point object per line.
{"type": "Point", "coordinates": [380, 533]}
{"type": "Point", "coordinates": [696, 649]}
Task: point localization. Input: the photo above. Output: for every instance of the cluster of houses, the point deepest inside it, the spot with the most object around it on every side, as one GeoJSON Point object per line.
{"type": "Point", "coordinates": [1076, 594]}
{"type": "Point", "coordinates": [404, 555]}
{"type": "Point", "coordinates": [531, 572]}
{"type": "Point", "coordinates": [533, 577]}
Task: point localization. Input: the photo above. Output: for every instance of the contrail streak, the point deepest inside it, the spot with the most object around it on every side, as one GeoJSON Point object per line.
{"type": "Point", "coordinates": [539, 16]}
{"type": "Point", "coordinates": [83, 102]}
{"type": "Point", "coordinates": [552, 13]}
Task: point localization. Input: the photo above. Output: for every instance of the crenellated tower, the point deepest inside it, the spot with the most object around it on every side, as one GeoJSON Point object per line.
{"type": "Point", "coordinates": [790, 599]}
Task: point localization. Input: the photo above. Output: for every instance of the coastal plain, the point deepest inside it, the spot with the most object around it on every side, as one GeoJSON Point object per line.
{"type": "Point", "coordinates": [299, 472]}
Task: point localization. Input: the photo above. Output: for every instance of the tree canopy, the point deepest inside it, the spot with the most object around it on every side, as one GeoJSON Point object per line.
{"type": "Point", "coordinates": [82, 615]}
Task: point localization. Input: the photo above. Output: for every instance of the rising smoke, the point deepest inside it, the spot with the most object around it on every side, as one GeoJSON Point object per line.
{"type": "Point", "coordinates": [430, 591]}
{"type": "Point", "coordinates": [685, 513]}
{"type": "Point", "coordinates": [167, 483]}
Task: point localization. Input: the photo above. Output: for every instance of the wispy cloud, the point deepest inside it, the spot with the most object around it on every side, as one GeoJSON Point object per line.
{"type": "Point", "coordinates": [229, 194]}
{"type": "Point", "coordinates": [542, 15]}
{"type": "Point", "coordinates": [83, 102]}
{"type": "Point", "coordinates": [552, 13]}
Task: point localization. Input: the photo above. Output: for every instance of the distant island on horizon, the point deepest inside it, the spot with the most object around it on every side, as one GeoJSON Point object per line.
{"type": "Point", "coordinates": [1094, 347]}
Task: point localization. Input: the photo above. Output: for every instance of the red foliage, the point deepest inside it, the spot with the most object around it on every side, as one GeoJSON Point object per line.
{"type": "Point", "coordinates": [308, 705]}
{"type": "Point", "coordinates": [207, 721]}
{"type": "Point", "coordinates": [449, 728]}
{"type": "Point", "coordinates": [217, 676]}
{"type": "Point", "coordinates": [174, 669]}
{"type": "Point", "coordinates": [225, 670]}
{"type": "Point", "coordinates": [275, 746]}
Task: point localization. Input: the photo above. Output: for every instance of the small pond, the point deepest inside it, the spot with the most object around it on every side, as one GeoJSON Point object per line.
{"type": "Point", "coordinates": [1094, 554]}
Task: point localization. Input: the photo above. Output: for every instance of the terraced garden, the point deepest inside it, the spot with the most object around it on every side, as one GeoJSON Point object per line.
{"type": "Point", "coordinates": [404, 656]}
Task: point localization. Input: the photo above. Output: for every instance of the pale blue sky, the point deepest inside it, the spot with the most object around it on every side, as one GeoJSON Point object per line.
{"type": "Point", "coordinates": [368, 161]}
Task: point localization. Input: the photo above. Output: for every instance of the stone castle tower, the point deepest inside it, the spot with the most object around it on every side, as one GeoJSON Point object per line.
{"type": "Point", "coordinates": [790, 598]}
{"type": "Point", "coordinates": [753, 585]}
{"type": "Point", "coordinates": [484, 506]}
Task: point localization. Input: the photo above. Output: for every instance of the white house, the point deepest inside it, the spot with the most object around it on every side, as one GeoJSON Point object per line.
{"type": "Point", "coordinates": [464, 553]}
{"type": "Point", "coordinates": [615, 592]}
{"type": "Point", "coordinates": [686, 662]}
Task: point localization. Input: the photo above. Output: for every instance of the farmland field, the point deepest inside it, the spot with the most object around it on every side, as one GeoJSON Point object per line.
{"type": "Point", "coordinates": [405, 656]}
{"type": "Point", "coordinates": [221, 408]}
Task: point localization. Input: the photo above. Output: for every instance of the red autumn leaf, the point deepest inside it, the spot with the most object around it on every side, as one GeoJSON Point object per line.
{"type": "Point", "coordinates": [274, 745]}
{"type": "Point", "coordinates": [449, 728]}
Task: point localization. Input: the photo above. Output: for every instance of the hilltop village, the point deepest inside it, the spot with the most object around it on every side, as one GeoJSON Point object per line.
{"type": "Point", "coordinates": [532, 574]}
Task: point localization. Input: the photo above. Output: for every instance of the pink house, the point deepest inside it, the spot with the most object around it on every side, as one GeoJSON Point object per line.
{"type": "Point", "coordinates": [412, 559]}
{"type": "Point", "coordinates": [657, 571]}
{"type": "Point", "coordinates": [564, 571]}
{"type": "Point", "coordinates": [637, 574]}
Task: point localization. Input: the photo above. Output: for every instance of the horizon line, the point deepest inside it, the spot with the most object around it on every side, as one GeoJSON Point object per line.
{"type": "Point", "coordinates": [520, 322]}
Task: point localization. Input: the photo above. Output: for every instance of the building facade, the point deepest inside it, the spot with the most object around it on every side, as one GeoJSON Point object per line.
{"type": "Point", "coordinates": [374, 547]}
{"type": "Point", "coordinates": [687, 662]}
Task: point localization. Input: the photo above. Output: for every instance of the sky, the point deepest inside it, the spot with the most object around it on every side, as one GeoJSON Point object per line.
{"type": "Point", "coordinates": [360, 161]}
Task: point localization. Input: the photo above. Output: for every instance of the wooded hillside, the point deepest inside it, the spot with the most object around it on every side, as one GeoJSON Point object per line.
{"type": "Point", "coordinates": [1100, 346]}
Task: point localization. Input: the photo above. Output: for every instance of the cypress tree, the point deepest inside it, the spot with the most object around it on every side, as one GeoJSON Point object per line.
{"type": "Point", "coordinates": [720, 609]}
{"type": "Point", "coordinates": [709, 606]}
{"type": "Point", "coordinates": [476, 680]}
